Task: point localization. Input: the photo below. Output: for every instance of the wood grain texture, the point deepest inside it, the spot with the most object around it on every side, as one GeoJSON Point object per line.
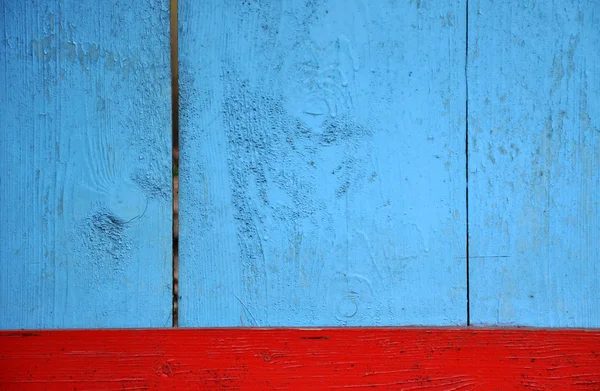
{"type": "Point", "coordinates": [85, 166]}
{"type": "Point", "coordinates": [322, 163]}
{"type": "Point", "coordinates": [534, 160]}
{"type": "Point", "coordinates": [288, 359]}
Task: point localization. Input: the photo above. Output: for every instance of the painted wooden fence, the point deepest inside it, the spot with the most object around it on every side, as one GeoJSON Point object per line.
{"type": "Point", "coordinates": [342, 163]}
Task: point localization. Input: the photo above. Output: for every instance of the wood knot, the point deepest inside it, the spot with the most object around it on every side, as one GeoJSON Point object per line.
{"type": "Point", "coordinates": [166, 370]}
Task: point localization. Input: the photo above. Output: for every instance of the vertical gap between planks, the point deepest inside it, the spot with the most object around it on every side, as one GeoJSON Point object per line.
{"type": "Point", "coordinates": [175, 156]}
{"type": "Point", "coordinates": [467, 156]}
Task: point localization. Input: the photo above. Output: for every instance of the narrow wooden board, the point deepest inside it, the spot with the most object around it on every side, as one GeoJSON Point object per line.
{"type": "Point", "coordinates": [85, 168]}
{"type": "Point", "coordinates": [294, 359]}
{"type": "Point", "coordinates": [322, 163]}
{"type": "Point", "coordinates": [534, 162]}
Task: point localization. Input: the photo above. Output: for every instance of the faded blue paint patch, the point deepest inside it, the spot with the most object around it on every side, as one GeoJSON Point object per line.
{"type": "Point", "coordinates": [85, 162]}
{"type": "Point", "coordinates": [322, 163]}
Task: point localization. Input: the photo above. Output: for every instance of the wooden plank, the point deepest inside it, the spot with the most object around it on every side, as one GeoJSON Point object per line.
{"type": "Point", "coordinates": [293, 359]}
{"type": "Point", "coordinates": [322, 163]}
{"type": "Point", "coordinates": [85, 162]}
{"type": "Point", "coordinates": [534, 162]}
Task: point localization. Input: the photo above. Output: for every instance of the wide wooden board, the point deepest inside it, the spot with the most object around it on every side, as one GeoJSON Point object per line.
{"type": "Point", "coordinates": [293, 359]}
{"type": "Point", "coordinates": [85, 167]}
{"type": "Point", "coordinates": [322, 172]}
{"type": "Point", "coordinates": [534, 162]}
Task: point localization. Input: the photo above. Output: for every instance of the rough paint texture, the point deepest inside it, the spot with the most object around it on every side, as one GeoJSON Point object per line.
{"type": "Point", "coordinates": [327, 359]}
{"type": "Point", "coordinates": [534, 179]}
{"type": "Point", "coordinates": [322, 163]}
{"type": "Point", "coordinates": [85, 164]}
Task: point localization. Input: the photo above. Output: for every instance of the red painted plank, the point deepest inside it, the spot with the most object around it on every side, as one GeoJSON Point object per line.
{"type": "Point", "coordinates": [297, 359]}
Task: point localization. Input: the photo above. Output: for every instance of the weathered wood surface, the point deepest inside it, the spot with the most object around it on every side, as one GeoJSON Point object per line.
{"type": "Point", "coordinates": [280, 359]}
{"type": "Point", "coordinates": [534, 162]}
{"type": "Point", "coordinates": [322, 163]}
{"type": "Point", "coordinates": [85, 211]}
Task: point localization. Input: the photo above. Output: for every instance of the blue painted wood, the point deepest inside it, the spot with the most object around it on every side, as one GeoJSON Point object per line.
{"type": "Point", "coordinates": [322, 163]}
{"type": "Point", "coordinates": [85, 165]}
{"type": "Point", "coordinates": [534, 162]}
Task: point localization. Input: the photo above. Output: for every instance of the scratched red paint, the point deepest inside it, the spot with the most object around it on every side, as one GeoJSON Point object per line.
{"type": "Point", "coordinates": [296, 359]}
